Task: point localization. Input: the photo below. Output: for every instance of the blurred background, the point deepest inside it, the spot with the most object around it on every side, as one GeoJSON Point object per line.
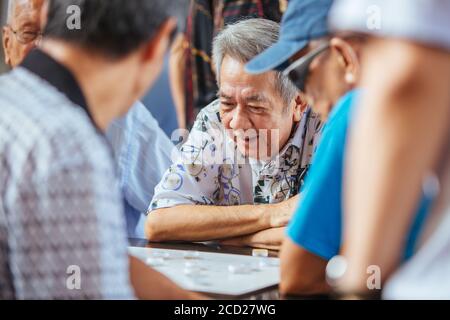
{"type": "Point", "coordinates": [3, 9]}
{"type": "Point", "coordinates": [188, 82]}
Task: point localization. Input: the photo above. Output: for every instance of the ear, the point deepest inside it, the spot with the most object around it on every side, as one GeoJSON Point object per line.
{"type": "Point", "coordinates": [6, 42]}
{"type": "Point", "coordinates": [44, 15]}
{"type": "Point", "coordinates": [348, 59]}
{"type": "Point", "coordinates": [157, 47]}
{"type": "Point", "coordinates": [299, 107]}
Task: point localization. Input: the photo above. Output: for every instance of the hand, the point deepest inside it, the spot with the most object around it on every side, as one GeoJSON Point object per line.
{"type": "Point", "coordinates": [247, 241]}
{"type": "Point", "coordinates": [235, 242]}
{"type": "Point", "coordinates": [270, 239]}
{"type": "Point", "coordinates": [281, 213]}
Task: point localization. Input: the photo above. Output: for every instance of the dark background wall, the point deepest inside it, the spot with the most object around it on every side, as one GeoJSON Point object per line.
{"type": "Point", "coordinates": [3, 9]}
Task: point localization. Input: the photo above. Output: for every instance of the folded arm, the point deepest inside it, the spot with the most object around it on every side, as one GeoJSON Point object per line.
{"type": "Point", "coordinates": [271, 239]}
{"type": "Point", "coordinates": [199, 223]}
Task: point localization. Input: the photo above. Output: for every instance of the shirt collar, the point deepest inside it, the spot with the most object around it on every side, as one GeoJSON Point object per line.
{"type": "Point", "coordinates": [297, 139]}
{"type": "Point", "coordinates": [50, 70]}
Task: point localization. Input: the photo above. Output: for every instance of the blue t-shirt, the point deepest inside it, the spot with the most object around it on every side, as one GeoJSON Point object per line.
{"type": "Point", "coordinates": [317, 223]}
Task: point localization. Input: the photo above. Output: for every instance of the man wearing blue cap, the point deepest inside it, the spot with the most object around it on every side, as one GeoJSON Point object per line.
{"type": "Point", "coordinates": [402, 128]}
{"type": "Point", "coordinates": [326, 68]}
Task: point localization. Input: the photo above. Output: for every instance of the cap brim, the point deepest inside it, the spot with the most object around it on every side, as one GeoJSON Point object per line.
{"type": "Point", "coordinates": [274, 57]}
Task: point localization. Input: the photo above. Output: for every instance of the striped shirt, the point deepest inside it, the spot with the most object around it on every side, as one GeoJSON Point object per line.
{"type": "Point", "coordinates": [62, 230]}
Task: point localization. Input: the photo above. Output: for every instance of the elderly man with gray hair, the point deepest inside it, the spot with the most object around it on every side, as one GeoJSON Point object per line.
{"type": "Point", "coordinates": [22, 30]}
{"type": "Point", "coordinates": [237, 177]}
{"type": "Point", "coordinates": [130, 136]}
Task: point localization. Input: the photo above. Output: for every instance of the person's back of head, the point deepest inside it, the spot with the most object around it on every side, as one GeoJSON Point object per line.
{"type": "Point", "coordinates": [321, 64]}
{"type": "Point", "coordinates": [71, 202]}
{"type": "Point", "coordinates": [115, 44]}
{"type": "Point", "coordinates": [112, 28]}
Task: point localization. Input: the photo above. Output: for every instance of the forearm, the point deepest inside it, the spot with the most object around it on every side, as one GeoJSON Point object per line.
{"type": "Point", "coordinates": [267, 239]}
{"type": "Point", "coordinates": [400, 137]}
{"type": "Point", "coordinates": [200, 223]}
{"type": "Point", "coordinates": [149, 284]}
{"type": "Point", "coordinates": [302, 273]}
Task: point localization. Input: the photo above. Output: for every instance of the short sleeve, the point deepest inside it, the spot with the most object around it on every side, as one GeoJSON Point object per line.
{"type": "Point", "coordinates": [193, 177]}
{"type": "Point", "coordinates": [316, 225]}
{"type": "Point", "coordinates": [66, 227]}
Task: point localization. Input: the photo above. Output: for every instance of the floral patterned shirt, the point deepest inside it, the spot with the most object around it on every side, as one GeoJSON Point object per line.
{"type": "Point", "coordinates": [208, 169]}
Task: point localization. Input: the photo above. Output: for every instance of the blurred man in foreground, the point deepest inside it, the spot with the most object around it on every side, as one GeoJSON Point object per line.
{"type": "Point", "coordinates": [140, 167]}
{"type": "Point", "coordinates": [399, 150]}
{"type": "Point", "coordinates": [61, 207]}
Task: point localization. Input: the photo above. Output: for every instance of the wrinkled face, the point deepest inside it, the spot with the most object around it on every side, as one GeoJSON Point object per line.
{"type": "Point", "coordinates": [253, 111]}
{"type": "Point", "coordinates": [24, 23]}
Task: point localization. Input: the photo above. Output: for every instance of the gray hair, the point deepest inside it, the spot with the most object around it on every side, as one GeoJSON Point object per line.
{"type": "Point", "coordinates": [10, 12]}
{"type": "Point", "coordinates": [246, 39]}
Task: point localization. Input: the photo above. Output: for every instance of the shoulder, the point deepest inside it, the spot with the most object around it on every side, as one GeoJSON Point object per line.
{"type": "Point", "coordinates": [139, 113]}
{"type": "Point", "coordinates": [334, 135]}
{"type": "Point", "coordinates": [209, 116]}
{"type": "Point", "coordinates": [40, 123]}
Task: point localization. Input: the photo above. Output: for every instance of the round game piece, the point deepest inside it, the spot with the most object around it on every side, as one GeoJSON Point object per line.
{"type": "Point", "coordinates": [263, 263]}
{"type": "Point", "coordinates": [255, 266]}
{"type": "Point", "coordinates": [267, 262]}
{"type": "Point", "coordinates": [336, 269]}
{"type": "Point", "coordinates": [160, 254]}
{"type": "Point", "coordinates": [191, 255]}
{"type": "Point", "coordinates": [274, 262]}
{"type": "Point", "coordinates": [192, 264]}
{"type": "Point", "coordinates": [260, 252]}
{"type": "Point", "coordinates": [194, 272]}
{"type": "Point", "coordinates": [155, 262]}
{"type": "Point", "coordinates": [239, 268]}
{"type": "Point", "coordinates": [195, 264]}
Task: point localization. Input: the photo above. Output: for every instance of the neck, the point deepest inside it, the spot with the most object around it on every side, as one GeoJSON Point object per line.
{"type": "Point", "coordinates": [100, 80]}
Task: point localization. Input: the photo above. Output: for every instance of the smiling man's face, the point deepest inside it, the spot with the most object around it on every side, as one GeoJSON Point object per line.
{"type": "Point", "coordinates": [254, 112]}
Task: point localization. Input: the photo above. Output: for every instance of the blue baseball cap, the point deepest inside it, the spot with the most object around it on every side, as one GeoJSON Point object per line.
{"type": "Point", "coordinates": [303, 21]}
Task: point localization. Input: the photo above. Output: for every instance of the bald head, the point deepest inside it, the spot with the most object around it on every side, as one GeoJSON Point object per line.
{"type": "Point", "coordinates": [23, 23]}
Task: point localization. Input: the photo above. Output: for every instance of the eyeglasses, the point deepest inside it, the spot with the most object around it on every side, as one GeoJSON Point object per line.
{"type": "Point", "coordinates": [25, 37]}
{"type": "Point", "coordinates": [298, 71]}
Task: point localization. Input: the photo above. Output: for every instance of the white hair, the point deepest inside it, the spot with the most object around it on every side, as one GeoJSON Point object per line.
{"type": "Point", "coordinates": [246, 39]}
{"type": "Point", "coordinates": [11, 7]}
